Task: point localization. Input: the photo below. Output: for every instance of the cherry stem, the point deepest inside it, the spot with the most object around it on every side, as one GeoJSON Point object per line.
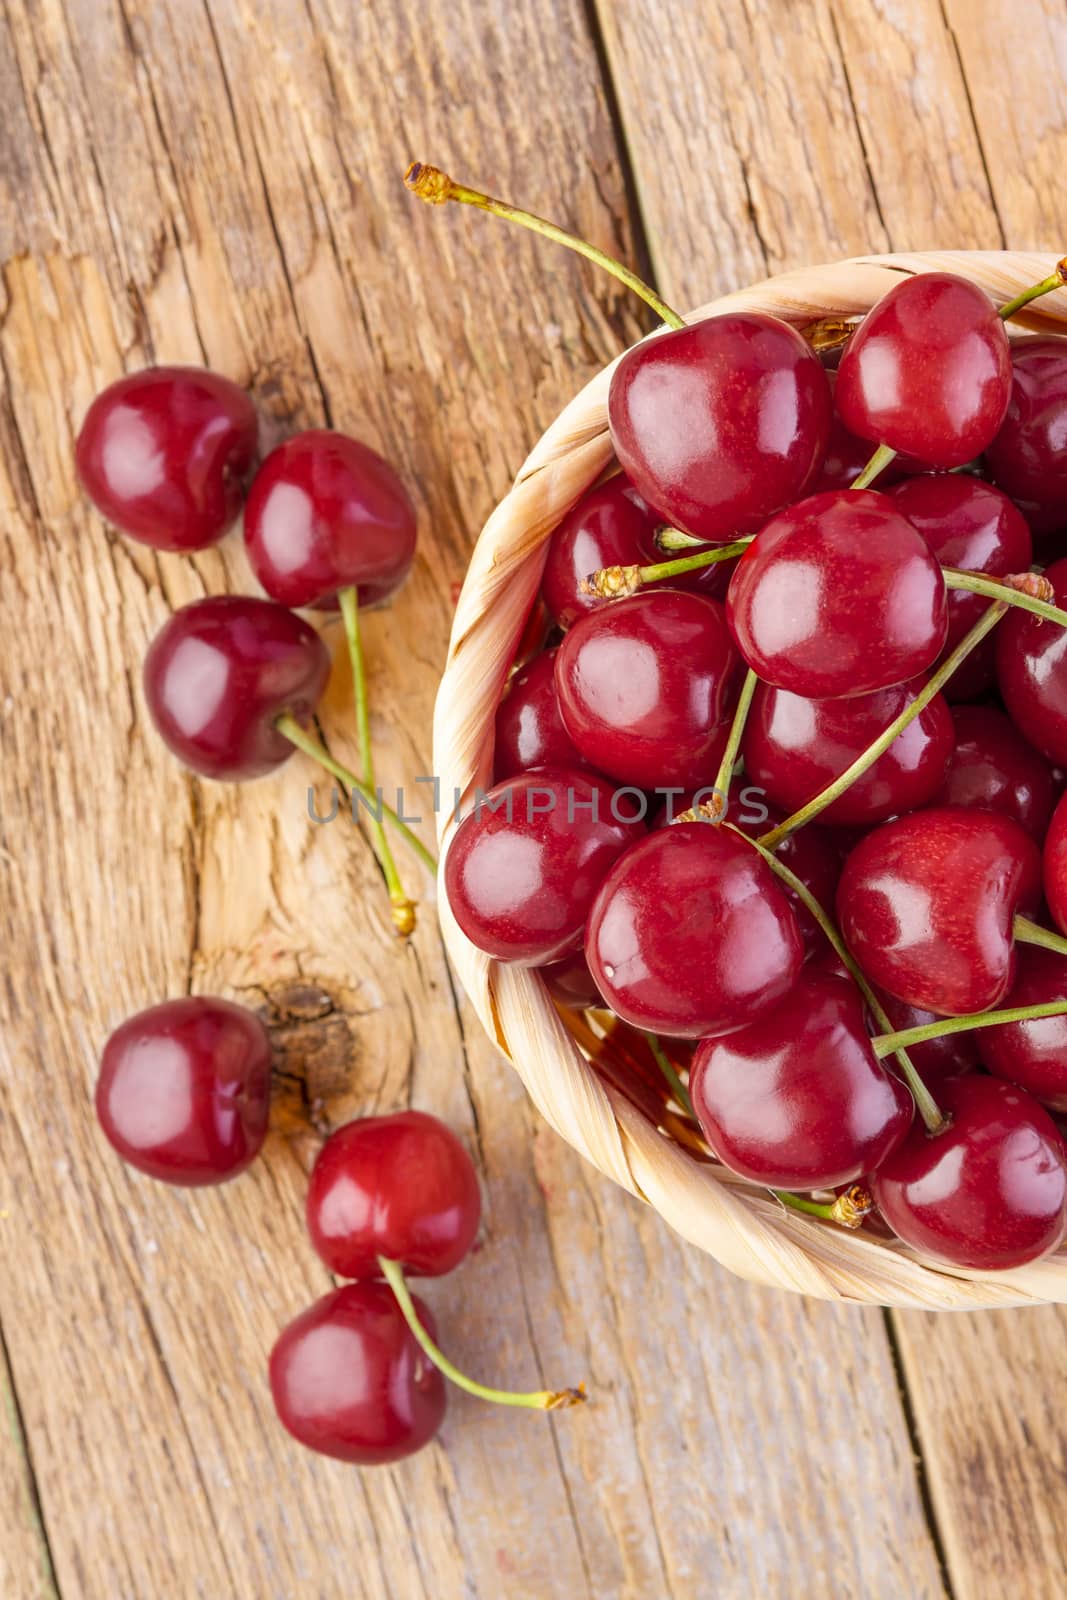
{"type": "Point", "coordinates": [721, 798]}
{"type": "Point", "coordinates": [866, 759]}
{"type": "Point", "coordinates": [878, 463]}
{"type": "Point", "coordinates": [403, 908]}
{"type": "Point", "coordinates": [1027, 932]}
{"type": "Point", "coordinates": [668, 538]}
{"type": "Point", "coordinates": [615, 583]}
{"type": "Point", "coordinates": [291, 730]}
{"type": "Point", "coordinates": [924, 1100]}
{"type": "Point", "coordinates": [886, 1043]}
{"type": "Point", "coordinates": [537, 1400]}
{"type": "Point", "coordinates": [1029, 590]}
{"type": "Point", "coordinates": [670, 1072]}
{"type": "Point", "coordinates": [1055, 280]}
{"type": "Point", "coordinates": [849, 1208]}
{"type": "Point", "coordinates": [436, 187]}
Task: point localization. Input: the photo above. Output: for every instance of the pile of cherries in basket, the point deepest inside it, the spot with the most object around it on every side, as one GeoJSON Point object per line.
{"type": "Point", "coordinates": [867, 1012]}
{"type": "Point", "coordinates": [231, 683]}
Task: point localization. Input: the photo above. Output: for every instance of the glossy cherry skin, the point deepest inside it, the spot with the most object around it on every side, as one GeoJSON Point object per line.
{"type": "Point", "coordinates": [691, 932]}
{"type": "Point", "coordinates": [165, 454]}
{"type": "Point", "coordinates": [794, 748]}
{"type": "Point", "coordinates": [722, 424]}
{"type": "Point", "coordinates": [935, 1060]}
{"type": "Point", "coordinates": [1032, 672]}
{"type": "Point", "coordinates": [644, 685]}
{"type": "Point", "coordinates": [846, 456]}
{"type": "Point", "coordinates": [928, 371]}
{"type": "Point", "coordinates": [839, 595]}
{"type": "Point", "coordinates": [399, 1186]}
{"type": "Point", "coordinates": [798, 1100]}
{"type": "Point", "coordinates": [811, 855]}
{"type": "Point", "coordinates": [993, 768]}
{"type": "Point", "coordinates": [349, 1381]}
{"type": "Point", "coordinates": [529, 728]}
{"type": "Point", "coordinates": [324, 513]}
{"type": "Point", "coordinates": [220, 671]}
{"type": "Point", "coordinates": [521, 886]}
{"type": "Point", "coordinates": [990, 1192]}
{"type": "Point", "coordinates": [1027, 457]}
{"type": "Point", "coordinates": [184, 1090]}
{"type": "Point", "coordinates": [1032, 1054]}
{"type": "Point", "coordinates": [1054, 865]}
{"type": "Point", "coordinates": [926, 905]}
{"type": "Point", "coordinates": [970, 525]}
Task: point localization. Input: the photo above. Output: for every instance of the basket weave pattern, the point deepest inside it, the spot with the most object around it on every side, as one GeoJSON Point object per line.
{"type": "Point", "coordinates": [741, 1225]}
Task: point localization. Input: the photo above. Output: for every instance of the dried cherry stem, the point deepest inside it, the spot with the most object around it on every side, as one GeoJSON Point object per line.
{"type": "Point", "coordinates": [537, 1400]}
{"type": "Point", "coordinates": [291, 730]}
{"type": "Point", "coordinates": [866, 759]}
{"type": "Point", "coordinates": [1055, 280]}
{"type": "Point", "coordinates": [1027, 932]}
{"type": "Point", "coordinates": [670, 1072]}
{"type": "Point", "coordinates": [436, 187]}
{"type": "Point", "coordinates": [615, 583]}
{"type": "Point", "coordinates": [402, 908]}
{"type": "Point", "coordinates": [926, 1104]}
{"type": "Point", "coordinates": [849, 1209]}
{"type": "Point", "coordinates": [884, 1044]}
{"type": "Point", "coordinates": [1031, 591]}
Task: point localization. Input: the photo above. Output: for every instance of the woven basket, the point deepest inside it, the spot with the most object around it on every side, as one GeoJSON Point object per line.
{"type": "Point", "coordinates": [741, 1225]}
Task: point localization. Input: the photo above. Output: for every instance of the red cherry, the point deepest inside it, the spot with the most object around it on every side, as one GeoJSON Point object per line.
{"type": "Point", "coordinates": [691, 932]}
{"type": "Point", "coordinates": [926, 905]}
{"type": "Point", "coordinates": [1054, 865]}
{"type": "Point", "coordinates": [798, 1100]}
{"type": "Point", "coordinates": [838, 595]}
{"type": "Point", "coordinates": [811, 855]}
{"type": "Point", "coordinates": [1027, 456]}
{"type": "Point", "coordinates": [928, 371]}
{"type": "Point", "coordinates": [970, 525]}
{"type": "Point", "coordinates": [947, 1055]}
{"type": "Point", "coordinates": [524, 865]}
{"type": "Point", "coordinates": [989, 1192]}
{"type": "Point", "coordinates": [794, 748]}
{"type": "Point", "coordinates": [1032, 672]}
{"type": "Point", "coordinates": [529, 728]}
{"type": "Point", "coordinates": [325, 513]}
{"type": "Point", "coordinates": [164, 455]}
{"type": "Point", "coordinates": [1032, 1054]}
{"type": "Point", "coordinates": [219, 673]}
{"type": "Point", "coordinates": [349, 1380]}
{"type": "Point", "coordinates": [846, 456]}
{"type": "Point", "coordinates": [644, 685]}
{"type": "Point", "coordinates": [722, 424]}
{"type": "Point", "coordinates": [993, 768]}
{"type": "Point", "coordinates": [184, 1090]}
{"type": "Point", "coordinates": [400, 1186]}
{"type": "Point", "coordinates": [571, 983]}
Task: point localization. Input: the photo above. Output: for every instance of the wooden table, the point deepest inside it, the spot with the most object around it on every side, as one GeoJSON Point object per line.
{"type": "Point", "coordinates": [221, 183]}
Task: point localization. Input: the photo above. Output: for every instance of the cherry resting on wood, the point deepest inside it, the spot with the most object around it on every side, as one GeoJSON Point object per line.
{"type": "Point", "coordinates": [220, 671]}
{"type": "Point", "coordinates": [722, 424]}
{"type": "Point", "coordinates": [164, 454]}
{"type": "Point", "coordinates": [986, 1194]}
{"type": "Point", "coordinates": [691, 932]}
{"type": "Point", "coordinates": [529, 728]}
{"type": "Point", "coordinates": [1027, 457]}
{"type": "Point", "coordinates": [399, 1186]}
{"type": "Point", "coordinates": [994, 769]}
{"type": "Point", "coordinates": [644, 685]}
{"type": "Point", "coordinates": [928, 371]}
{"type": "Point", "coordinates": [520, 886]}
{"type": "Point", "coordinates": [184, 1090]}
{"type": "Point", "coordinates": [838, 596]}
{"type": "Point", "coordinates": [1033, 1053]}
{"type": "Point", "coordinates": [326, 513]}
{"type": "Point", "coordinates": [797, 1099]}
{"type": "Point", "coordinates": [1032, 672]}
{"type": "Point", "coordinates": [349, 1380]}
{"type": "Point", "coordinates": [926, 905]}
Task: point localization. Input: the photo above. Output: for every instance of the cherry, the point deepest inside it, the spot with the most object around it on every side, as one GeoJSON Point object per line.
{"type": "Point", "coordinates": [525, 863]}
{"type": "Point", "coordinates": [947, 1055]}
{"type": "Point", "coordinates": [184, 1090]}
{"type": "Point", "coordinates": [995, 769]}
{"type": "Point", "coordinates": [349, 1380]}
{"type": "Point", "coordinates": [927, 904]}
{"type": "Point", "coordinates": [164, 455]}
{"type": "Point", "coordinates": [644, 684]}
{"type": "Point", "coordinates": [839, 595]}
{"type": "Point", "coordinates": [721, 424]}
{"type": "Point", "coordinates": [399, 1186]}
{"type": "Point", "coordinates": [811, 855]}
{"type": "Point", "coordinates": [846, 455]}
{"type": "Point", "coordinates": [571, 983]}
{"type": "Point", "coordinates": [218, 674]}
{"type": "Point", "coordinates": [794, 748]}
{"type": "Point", "coordinates": [797, 1099]}
{"type": "Point", "coordinates": [969, 525]}
{"type": "Point", "coordinates": [928, 371]}
{"type": "Point", "coordinates": [1033, 1053]}
{"type": "Point", "coordinates": [988, 1192]}
{"type": "Point", "coordinates": [1054, 865]}
{"type": "Point", "coordinates": [1032, 672]}
{"type": "Point", "coordinates": [691, 932]}
{"type": "Point", "coordinates": [326, 513]}
{"type": "Point", "coordinates": [1027, 458]}
{"type": "Point", "coordinates": [529, 728]}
